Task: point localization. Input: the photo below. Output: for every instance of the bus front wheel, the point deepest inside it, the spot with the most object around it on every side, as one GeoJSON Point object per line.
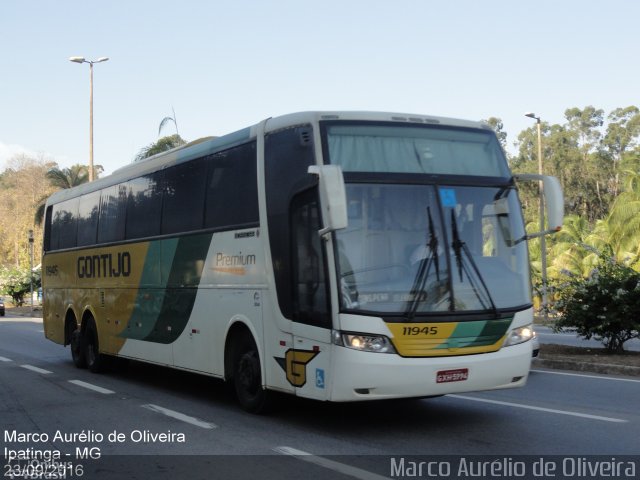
{"type": "Point", "coordinates": [247, 379]}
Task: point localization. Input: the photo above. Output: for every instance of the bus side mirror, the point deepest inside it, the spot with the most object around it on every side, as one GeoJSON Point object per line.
{"type": "Point", "coordinates": [553, 200]}
{"type": "Point", "coordinates": [333, 197]}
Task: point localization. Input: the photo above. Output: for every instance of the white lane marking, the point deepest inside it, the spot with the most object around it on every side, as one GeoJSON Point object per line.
{"type": "Point", "coordinates": [5, 359]}
{"type": "Point", "coordinates": [541, 409]}
{"type": "Point", "coordinates": [599, 377]}
{"type": "Point", "coordinates": [91, 386]}
{"type": "Point", "coordinates": [330, 464]}
{"type": "Point", "coordinates": [559, 334]}
{"type": "Point", "coordinates": [35, 369]}
{"type": "Point", "coordinates": [180, 416]}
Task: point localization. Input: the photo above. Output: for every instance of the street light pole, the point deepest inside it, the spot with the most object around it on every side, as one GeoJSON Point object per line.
{"type": "Point", "coordinates": [543, 242]}
{"type": "Point", "coordinates": [90, 62]}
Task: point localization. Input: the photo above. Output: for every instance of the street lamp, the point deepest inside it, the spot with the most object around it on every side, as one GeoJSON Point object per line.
{"type": "Point", "coordinates": [90, 62]}
{"type": "Point", "coordinates": [543, 242]}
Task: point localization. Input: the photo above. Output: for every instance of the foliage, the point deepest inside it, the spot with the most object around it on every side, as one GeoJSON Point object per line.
{"type": "Point", "coordinates": [22, 185]}
{"type": "Point", "coordinates": [162, 145]}
{"type": "Point", "coordinates": [68, 177]}
{"type": "Point", "coordinates": [590, 157]}
{"type": "Point", "coordinates": [166, 120]}
{"type": "Point", "coordinates": [605, 305]}
{"type": "Point", "coordinates": [64, 178]}
{"type": "Point", "coordinates": [16, 283]}
{"type": "Point", "coordinates": [498, 127]}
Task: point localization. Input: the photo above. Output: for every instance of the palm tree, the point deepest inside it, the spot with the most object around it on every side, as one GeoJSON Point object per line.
{"type": "Point", "coordinates": [166, 120]}
{"type": "Point", "coordinates": [162, 145]}
{"type": "Point", "coordinates": [68, 177]}
{"type": "Point", "coordinates": [63, 178]}
{"type": "Point", "coordinates": [624, 219]}
{"type": "Point", "coordinates": [568, 249]}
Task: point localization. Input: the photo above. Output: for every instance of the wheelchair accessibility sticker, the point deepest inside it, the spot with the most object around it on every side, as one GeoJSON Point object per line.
{"type": "Point", "coordinates": [448, 197]}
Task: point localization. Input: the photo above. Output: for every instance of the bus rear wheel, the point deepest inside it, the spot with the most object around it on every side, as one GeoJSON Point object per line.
{"type": "Point", "coordinates": [77, 350]}
{"type": "Point", "coordinates": [247, 379]}
{"type": "Point", "coordinates": [91, 346]}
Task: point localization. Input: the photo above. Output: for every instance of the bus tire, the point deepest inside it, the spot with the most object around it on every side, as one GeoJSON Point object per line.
{"type": "Point", "coordinates": [247, 379]}
{"type": "Point", "coordinates": [77, 351]}
{"type": "Point", "coordinates": [95, 360]}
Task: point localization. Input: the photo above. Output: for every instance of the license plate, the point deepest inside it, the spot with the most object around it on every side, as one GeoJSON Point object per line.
{"type": "Point", "coordinates": [458, 375]}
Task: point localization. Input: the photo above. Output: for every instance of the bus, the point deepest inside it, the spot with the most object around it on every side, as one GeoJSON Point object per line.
{"type": "Point", "coordinates": [337, 256]}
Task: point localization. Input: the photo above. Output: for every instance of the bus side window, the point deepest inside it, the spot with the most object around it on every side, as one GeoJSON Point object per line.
{"type": "Point", "coordinates": [64, 224]}
{"type": "Point", "coordinates": [111, 219]}
{"type": "Point", "coordinates": [310, 296]}
{"type": "Point", "coordinates": [183, 197]}
{"type": "Point", "coordinates": [144, 206]}
{"type": "Point", "coordinates": [46, 242]}
{"type": "Point", "coordinates": [88, 218]}
{"type": "Point", "coordinates": [231, 189]}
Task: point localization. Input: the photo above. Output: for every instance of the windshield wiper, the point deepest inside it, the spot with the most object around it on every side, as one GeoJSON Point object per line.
{"type": "Point", "coordinates": [424, 268]}
{"type": "Point", "coordinates": [460, 248]}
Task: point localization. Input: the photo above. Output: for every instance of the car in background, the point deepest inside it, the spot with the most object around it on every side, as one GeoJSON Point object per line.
{"type": "Point", "coordinates": [1, 307]}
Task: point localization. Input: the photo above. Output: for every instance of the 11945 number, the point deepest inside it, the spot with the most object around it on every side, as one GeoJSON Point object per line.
{"type": "Point", "coordinates": [420, 330]}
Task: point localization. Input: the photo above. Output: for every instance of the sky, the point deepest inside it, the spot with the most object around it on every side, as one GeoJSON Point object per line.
{"type": "Point", "coordinates": [223, 65]}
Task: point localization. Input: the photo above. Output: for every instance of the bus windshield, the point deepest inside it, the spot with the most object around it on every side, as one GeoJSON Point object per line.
{"type": "Point", "coordinates": [412, 249]}
{"type": "Point", "coordinates": [415, 249]}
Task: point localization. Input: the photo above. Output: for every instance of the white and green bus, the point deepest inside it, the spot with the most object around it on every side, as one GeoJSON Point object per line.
{"type": "Point", "coordinates": [339, 256]}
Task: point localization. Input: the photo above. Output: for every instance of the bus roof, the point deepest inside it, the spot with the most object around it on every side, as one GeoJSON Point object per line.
{"type": "Point", "coordinates": [312, 117]}
{"type": "Point", "coordinates": [209, 145]}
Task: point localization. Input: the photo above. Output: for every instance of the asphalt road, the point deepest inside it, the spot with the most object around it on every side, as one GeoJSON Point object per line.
{"type": "Point", "coordinates": [150, 422]}
{"type": "Point", "coordinates": [547, 335]}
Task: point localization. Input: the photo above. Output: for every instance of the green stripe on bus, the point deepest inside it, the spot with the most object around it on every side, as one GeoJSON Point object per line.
{"type": "Point", "coordinates": [476, 334]}
{"type": "Point", "coordinates": [168, 288]}
{"type": "Point", "coordinates": [181, 289]}
{"type": "Point", "coordinates": [148, 300]}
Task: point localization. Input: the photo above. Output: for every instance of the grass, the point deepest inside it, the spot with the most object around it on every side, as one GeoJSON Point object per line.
{"type": "Point", "coordinates": [597, 356]}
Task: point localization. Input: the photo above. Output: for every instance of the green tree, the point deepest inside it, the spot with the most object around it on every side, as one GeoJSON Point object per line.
{"type": "Point", "coordinates": [573, 153]}
{"type": "Point", "coordinates": [73, 176]}
{"type": "Point", "coordinates": [162, 145]}
{"type": "Point", "coordinates": [497, 126]}
{"type": "Point", "coordinates": [623, 131]}
{"type": "Point", "coordinates": [585, 123]}
{"type": "Point", "coordinates": [61, 179]}
{"type": "Point", "coordinates": [605, 306]}
{"type": "Point", "coordinates": [166, 120]}
{"type": "Point", "coordinates": [624, 220]}
{"type": "Point", "coordinates": [621, 143]}
{"type": "Point", "coordinates": [570, 250]}
{"type": "Point", "coordinates": [22, 185]}
{"type": "Point", "coordinates": [16, 282]}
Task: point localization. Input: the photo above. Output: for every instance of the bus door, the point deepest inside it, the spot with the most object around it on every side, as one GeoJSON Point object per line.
{"type": "Point", "coordinates": [299, 262]}
{"type": "Point", "coordinates": [311, 299]}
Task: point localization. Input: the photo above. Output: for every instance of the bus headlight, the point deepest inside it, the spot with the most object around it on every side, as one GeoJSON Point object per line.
{"type": "Point", "coordinates": [519, 335]}
{"type": "Point", "coordinates": [363, 342]}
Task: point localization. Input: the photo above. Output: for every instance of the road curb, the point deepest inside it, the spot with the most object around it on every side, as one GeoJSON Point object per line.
{"type": "Point", "coordinates": [603, 368]}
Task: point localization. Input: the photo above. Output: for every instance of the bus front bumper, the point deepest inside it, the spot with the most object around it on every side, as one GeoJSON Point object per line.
{"type": "Point", "coordinates": [362, 376]}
